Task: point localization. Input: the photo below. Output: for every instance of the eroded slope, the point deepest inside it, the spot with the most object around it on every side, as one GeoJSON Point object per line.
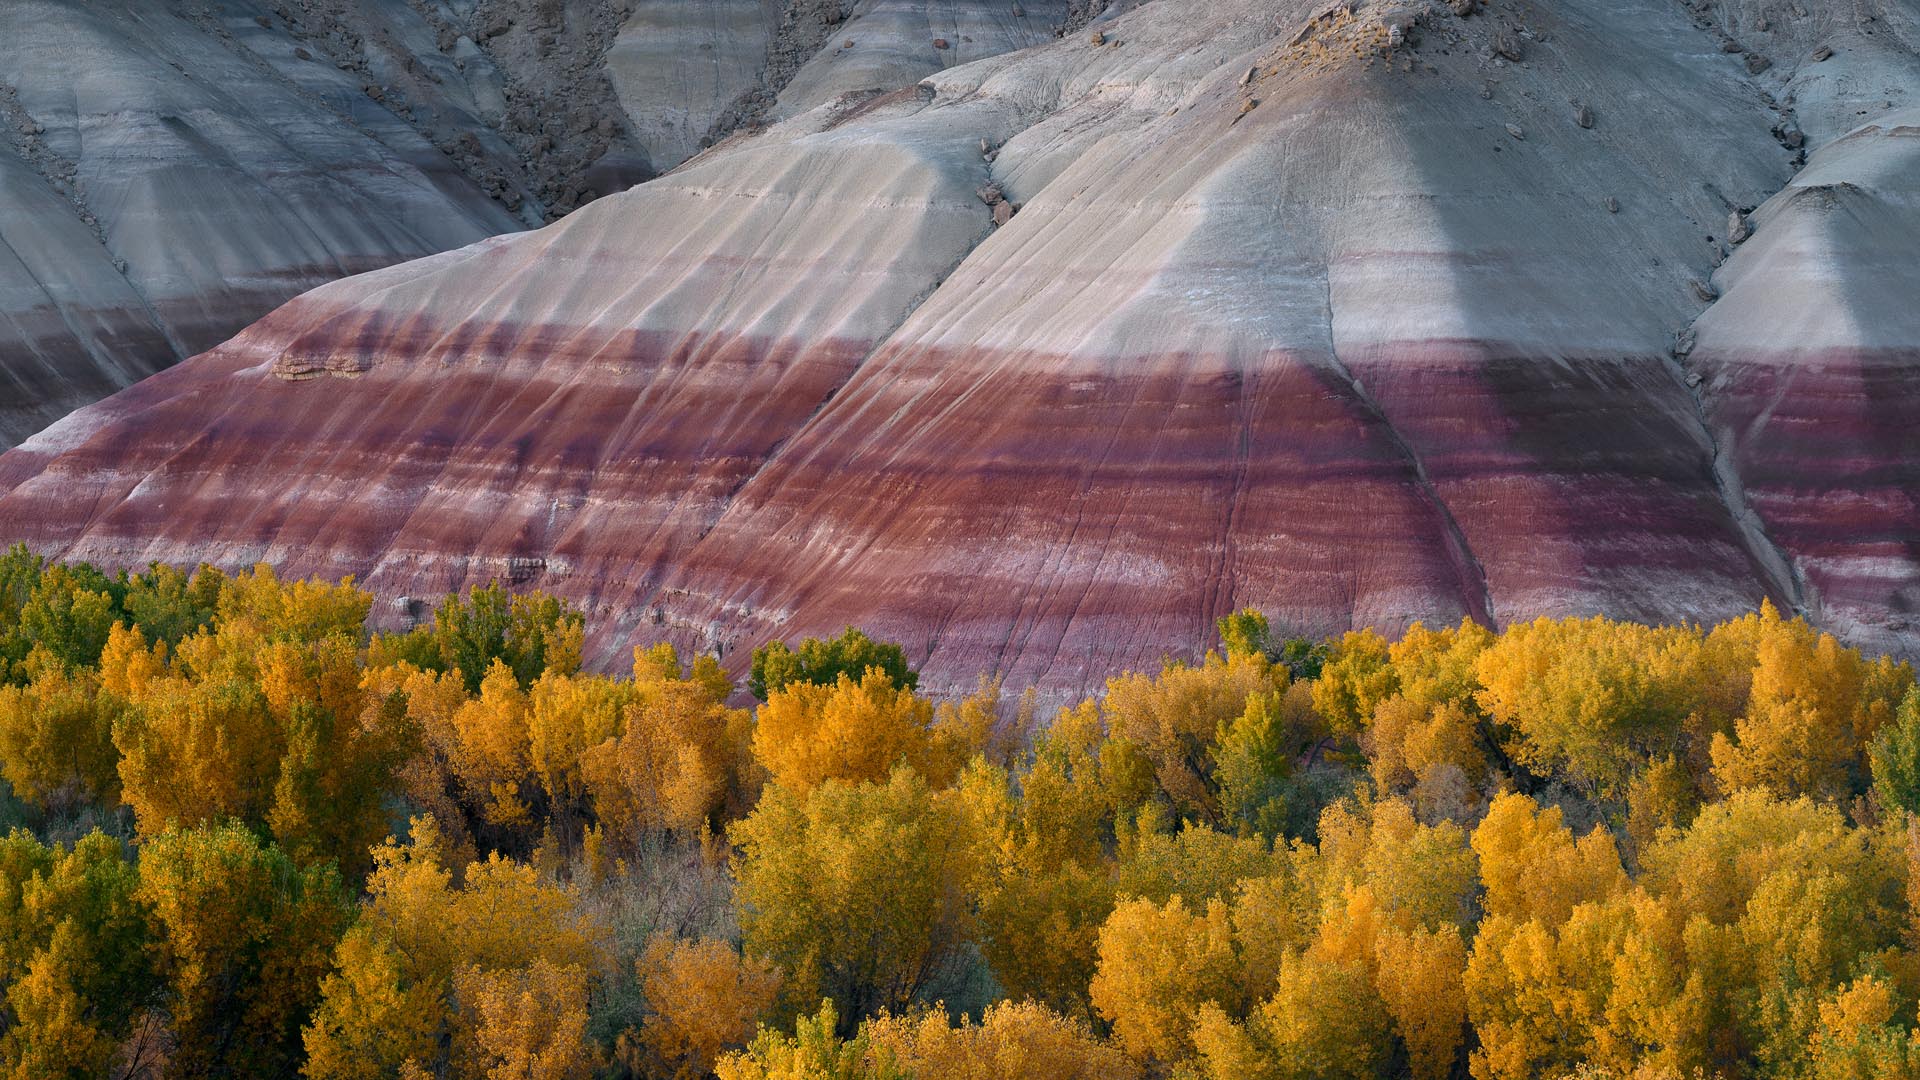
{"type": "Point", "coordinates": [172, 170]}
{"type": "Point", "coordinates": [1358, 315]}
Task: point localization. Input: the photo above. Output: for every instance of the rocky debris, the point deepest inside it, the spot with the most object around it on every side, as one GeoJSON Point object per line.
{"type": "Point", "coordinates": [1583, 116]}
{"type": "Point", "coordinates": [1462, 8]}
{"type": "Point", "coordinates": [1097, 38]}
{"type": "Point", "coordinates": [1082, 12]}
{"type": "Point", "coordinates": [805, 29]}
{"type": "Point", "coordinates": [1683, 343]}
{"type": "Point", "coordinates": [1822, 54]}
{"type": "Point", "coordinates": [1507, 47]}
{"type": "Point", "coordinates": [544, 62]}
{"type": "Point", "coordinates": [62, 174]}
{"type": "Point", "coordinates": [996, 198]}
{"type": "Point", "coordinates": [553, 57]}
{"type": "Point", "coordinates": [1514, 130]}
{"type": "Point", "coordinates": [1702, 290]}
{"type": "Point", "coordinates": [1343, 32]}
{"type": "Point", "coordinates": [1738, 228]}
{"type": "Point", "coordinates": [1612, 204]}
{"type": "Point", "coordinates": [1331, 17]}
{"type": "Point", "coordinates": [1757, 64]}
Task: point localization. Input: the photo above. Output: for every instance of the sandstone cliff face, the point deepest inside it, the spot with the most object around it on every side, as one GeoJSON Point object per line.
{"type": "Point", "coordinates": [1360, 315]}
{"type": "Point", "coordinates": [171, 170]}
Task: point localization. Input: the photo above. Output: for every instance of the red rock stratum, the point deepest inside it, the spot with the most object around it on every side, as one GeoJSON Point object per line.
{"type": "Point", "coordinates": [1359, 315]}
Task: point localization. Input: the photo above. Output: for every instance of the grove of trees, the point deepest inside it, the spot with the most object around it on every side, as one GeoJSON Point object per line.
{"type": "Point", "coordinates": [247, 836]}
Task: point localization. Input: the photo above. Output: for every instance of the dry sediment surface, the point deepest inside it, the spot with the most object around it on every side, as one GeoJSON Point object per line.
{"type": "Point", "coordinates": [1359, 314]}
{"type": "Point", "coordinates": [171, 170]}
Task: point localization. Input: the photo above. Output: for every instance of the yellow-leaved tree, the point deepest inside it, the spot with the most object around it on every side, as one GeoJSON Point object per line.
{"type": "Point", "coordinates": [56, 737]}
{"type": "Point", "coordinates": [1422, 875]}
{"type": "Point", "coordinates": [266, 717]}
{"type": "Point", "coordinates": [1593, 699]}
{"type": "Point", "coordinates": [492, 754]}
{"type": "Point", "coordinates": [244, 936]}
{"type": "Point", "coordinates": [1356, 678]}
{"type": "Point", "coordinates": [1350, 948]}
{"type": "Point", "coordinates": [1324, 1016]}
{"type": "Point", "coordinates": [855, 892]}
{"type": "Point", "coordinates": [815, 1051]}
{"type": "Point", "coordinates": [1424, 738]}
{"type": "Point", "coordinates": [1175, 717]}
{"type": "Point", "coordinates": [1813, 708]}
{"type": "Point", "coordinates": [1420, 975]}
{"type": "Point", "coordinates": [1784, 903]}
{"type": "Point", "coordinates": [851, 730]}
{"type": "Point", "coordinates": [76, 956]}
{"type": "Point", "coordinates": [1861, 1036]}
{"type": "Point", "coordinates": [1043, 886]}
{"type": "Point", "coordinates": [1529, 981]}
{"type": "Point", "coordinates": [433, 964]}
{"type": "Point", "coordinates": [703, 999]}
{"type": "Point", "coordinates": [1159, 963]}
{"type": "Point", "coordinates": [680, 757]}
{"type": "Point", "coordinates": [1533, 867]}
{"type": "Point", "coordinates": [567, 716]}
{"type": "Point", "coordinates": [526, 1023]}
{"type": "Point", "coordinates": [1012, 1041]}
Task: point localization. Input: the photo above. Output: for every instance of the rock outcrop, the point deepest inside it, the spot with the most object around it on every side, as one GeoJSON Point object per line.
{"type": "Point", "coordinates": [1811, 368]}
{"type": "Point", "coordinates": [1329, 339]}
{"type": "Point", "coordinates": [166, 178]}
{"type": "Point", "coordinates": [171, 170]}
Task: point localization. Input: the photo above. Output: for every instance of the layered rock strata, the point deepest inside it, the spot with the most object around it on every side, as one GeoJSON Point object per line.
{"type": "Point", "coordinates": [171, 170]}
{"type": "Point", "coordinates": [1358, 314]}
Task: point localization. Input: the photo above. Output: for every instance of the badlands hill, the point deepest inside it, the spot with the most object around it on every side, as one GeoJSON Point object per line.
{"type": "Point", "coordinates": [171, 170]}
{"type": "Point", "coordinates": [1359, 314]}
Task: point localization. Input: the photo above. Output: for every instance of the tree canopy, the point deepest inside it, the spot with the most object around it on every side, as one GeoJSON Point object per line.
{"type": "Point", "coordinates": [250, 836]}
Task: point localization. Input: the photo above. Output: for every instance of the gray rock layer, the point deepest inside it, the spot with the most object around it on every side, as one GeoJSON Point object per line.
{"type": "Point", "coordinates": [171, 170]}
{"type": "Point", "coordinates": [1043, 363]}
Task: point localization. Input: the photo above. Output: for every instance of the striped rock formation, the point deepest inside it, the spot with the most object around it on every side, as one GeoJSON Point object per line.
{"type": "Point", "coordinates": [1360, 314]}
{"type": "Point", "coordinates": [171, 170]}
